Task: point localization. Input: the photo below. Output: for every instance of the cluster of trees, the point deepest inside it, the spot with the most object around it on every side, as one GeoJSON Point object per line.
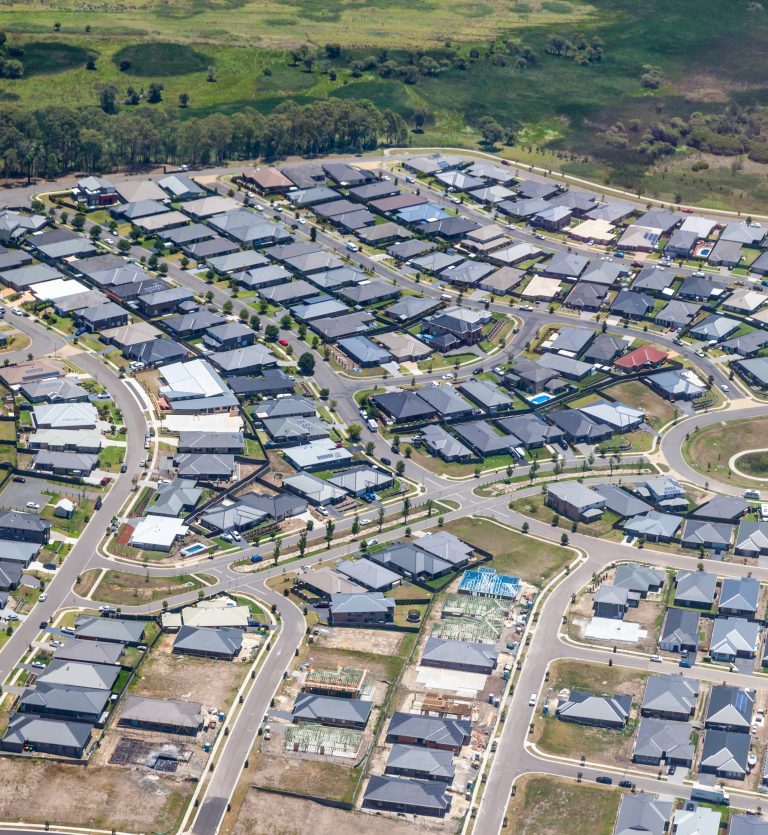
{"type": "Point", "coordinates": [651, 77]}
{"type": "Point", "coordinates": [54, 140]}
{"type": "Point", "coordinates": [581, 48]}
{"type": "Point", "coordinates": [734, 132]}
{"type": "Point", "coordinates": [10, 65]}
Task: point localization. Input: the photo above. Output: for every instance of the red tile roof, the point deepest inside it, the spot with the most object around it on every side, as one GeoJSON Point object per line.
{"type": "Point", "coordinates": [647, 355]}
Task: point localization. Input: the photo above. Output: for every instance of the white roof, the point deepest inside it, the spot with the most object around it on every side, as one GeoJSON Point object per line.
{"type": "Point", "coordinates": [541, 286]}
{"type": "Point", "coordinates": [598, 230]}
{"type": "Point", "coordinates": [195, 378]}
{"type": "Point", "coordinates": [202, 423]}
{"type": "Point", "coordinates": [161, 531]}
{"type": "Point", "coordinates": [66, 415]}
{"type": "Point", "coordinates": [702, 226]}
{"type": "Point", "coordinates": [59, 288]}
{"type": "Point", "coordinates": [215, 617]}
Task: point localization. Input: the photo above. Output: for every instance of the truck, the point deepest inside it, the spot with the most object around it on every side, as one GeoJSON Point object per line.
{"type": "Point", "coordinates": [710, 794]}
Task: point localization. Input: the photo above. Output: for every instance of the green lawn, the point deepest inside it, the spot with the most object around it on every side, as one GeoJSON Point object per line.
{"type": "Point", "coordinates": [514, 553]}
{"type": "Point", "coordinates": [74, 525]}
{"type": "Point", "coordinates": [111, 457]}
{"type": "Point", "coordinates": [602, 529]}
{"type": "Point", "coordinates": [710, 449]}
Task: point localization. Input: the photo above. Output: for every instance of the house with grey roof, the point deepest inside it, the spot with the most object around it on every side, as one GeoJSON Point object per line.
{"type": "Point", "coordinates": [653, 280]}
{"type": "Point", "coordinates": [575, 500]}
{"type": "Point", "coordinates": [422, 763]}
{"type": "Point", "coordinates": [745, 345]}
{"type": "Point", "coordinates": [653, 526]}
{"type": "Point", "coordinates": [695, 589]}
{"type": "Point", "coordinates": [111, 630]}
{"type": "Point", "coordinates": [724, 754]}
{"type": "Point", "coordinates": [43, 735]}
{"type": "Point", "coordinates": [586, 296]}
{"type": "Point", "coordinates": [676, 384]}
{"type": "Point", "coordinates": [677, 314]}
{"type": "Point", "coordinates": [618, 416]}
{"type": "Point", "coordinates": [680, 631]}
{"type": "Point", "coordinates": [565, 265]}
{"type": "Point", "coordinates": [315, 491]}
{"type": "Point", "coordinates": [660, 741]}
{"type": "Point", "coordinates": [725, 254]}
{"type": "Point", "coordinates": [585, 708]}
{"type": "Point", "coordinates": [629, 304]}
{"type": "Point", "coordinates": [639, 578]}
{"type": "Point", "coordinates": [722, 509]}
{"type": "Point", "coordinates": [665, 492]}
{"type": "Point", "coordinates": [714, 328]}
{"type": "Point", "coordinates": [694, 819]}
{"type": "Point", "coordinates": [222, 644]}
{"type": "Point", "coordinates": [440, 442]}
{"type": "Point", "coordinates": [368, 574]}
{"type": "Point", "coordinates": [734, 638]}
{"type": "Point", "coordinates": [291, 431]}
{"type": "Point", "coordinates": [364, 352]}
{"type": "Point", "coordinates": [89, 652]}
{"type": "Point", "coordinates": [78, 704]}
{"type": "Point", "coordinates": [61, 673]}
{"type": "Point", "coordinates": [447, 404]}
{"type": "Point", "coordinates": [571, 369]}
{"type": "Point", "coordinates": [681, 244]}
{"type": "Point", "coordinates": [699, 533]}
{"type": "Point", "coordinates": [622, 502]}
{"type": "Point", "coordinates": [446, 546]}
{"type": "Point", "coordinates": [570, 339]}
{"type": "Point", "coordinates": [180, 496]}
{"type": "Point", "coordinates": [429, 731]}
{"type": "Point", "coordinates": [411, 561]}
{"type": "Point", "coordinates": [360, 481]}
{"type": "Point", "coordinates": [604, 349]}
{"type": "Point", "coordinates": [415, 797]}
{"type": "Point", "coordinates": [334, 711]}
{"type": "Point", "coordinates": [356, 609]}
{"type": "Point", "coordinates": [747, 825]}
{"type": "Point", "coordinates": [580, 428]}
{"type": "Point", "coordinates": [670, 696]}
{"type": "Point", "coordinates": [491, 399]}
{"type": "Point", "coordinates": [466, 656]}
{"type": "Point", "coordinates": [739, 597]}
{"type": "Point", "coordinates": [751, 539]}
{"type": "Point", "coordinates": [612, 602]}
{"type": "Point", "coordinates": [531, 431]}
{"type": "Point", "coordinates": [642, 813]}
{"type": "Point", "coordinates": [161, 715]}
{"type": "Point", "coordinates": [730, 709]}
{"type": "Point", "coordinates": [480, 436]}
{"type": "Point", "coordinates": [205, 466]}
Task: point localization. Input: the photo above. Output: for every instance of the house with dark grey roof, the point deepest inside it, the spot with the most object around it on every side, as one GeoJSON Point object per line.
{"type": "Point", "coordinates": [604, 349]}
{"type": "Point", "coordinates": [531, 377]}
{"type": "Point", "coordinates": [221, 644]}
{"type": "Point", "coordinates": [695, 589]}
{"type": "Point", "coordinates": [229, 335]}
{"type": "Point", "coordinates": [681, 244]}
{"type": "Point", "coordinates": [670, 696]}
{"type": "Point", "coordinates": [205, 466]}
{"type": "Point", "coordinates": [111, 630]}
{"type": "Point", "coordinates": [726, 254]}
{"type": "Point", "coordinates": [730, 709]}
{"type": "Point", "coordinates": [653, 280]}
{"type": "Point", "coordinates": [213, 442]}
{"type": "Point", "coordinates": [746, 345]}
{"type": "Point", "coordinates": [24, 527]}
{"type": "Point", "coordinates": [575, 501]}
{"type": "Point", "coordinates": [480, 436]}
{"type": "Point", "coordinates": [680, 631]}
{"type": "Point", "coordinates": [446, 403]}
{"type": "Point", "coordinates": [531, 431]}
{"type": "Point", "coordinates": [598, 711]}
{"type": "Point", "coordinates": [701, 289]}
{"type": "Point", "coordinates": [109, 315]}
{"type": "Point", "coordinates": [403, 406]}
{"type": "Point", "coordinates": [162, 715]}
{"type": "Point", "coordinates": [180, 496]}
{"type": "Point", "coordinates": [660, 741]}
{"type": "Point", "coordinates": [429, 731]}
{"type": "Point", "coordinates": [89, 652]}
{"type": "Point", "coordinates": [739, 597]}
{"type": "Point", "coordinates": [155, 352]}
{"type": "Point", "coordinates": [722, 509]}
{"type": "Point", "coordinates": [586, 296]}
{"type": "Point", "coordinates": [630, 304]}
{"type": "Point", "coordinates": [747, 825]}
{"type": "Point", "coordinates": [43, 735]}
{"type": "Point", "coordinates": [334, 711]}
{"type": "Point", "coordinates": [357, 609]}
{"type": "Point", "coordinates": [699, 533]}
{"type": "Point", "coordinates": [677, 314]}
{"type": "Point", "coordinates": [579, 428]}
{"type": "Point", "coordinates": [466, 656]}
{"type": "Point", "coordinates": [290, 431]}
{"type": "Point", "coordinates": [415, 797]}
{"type": "Point", "coordinates": [422, 763]}
{"type": "Point", "coordinates": [714, 328]}
{"type": "Point", "coordinates": [724, 754]}
{"type": "Point", "coordinates": [733, 638]}
{"type": "Point", "coordinates": [362, 481]}
{"type": "Point", "coordinates": [570, 339]}
{"type": "Point", "coordinates": [567, 266]}
{"type": "Point", "coordinates": [411, 562]}
{"type": "Point", "coordinates": [751, 539]}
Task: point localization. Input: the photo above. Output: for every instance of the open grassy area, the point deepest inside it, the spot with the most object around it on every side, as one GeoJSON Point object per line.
{"type": "Point", "coordinates": [658, 411]}
{"type": "Point", "coordinates": [710, 449]}
{"type": "Point", "coordinates": [597, 678]}
{"type": "Point", "coordinates": [111, 457]}
{"type": "Point", "coordinates": [513, 553]}
{"type": "Point", "coordinates": [601, 529]}
{"type": "Point", "coordinates": [560, 109]}
{"type": "Point", "coordinates": [552, 805]}
{"type": "Point", "coordinates": [124, 588]}
{"type": "Point", "coordinates": [74, 525]}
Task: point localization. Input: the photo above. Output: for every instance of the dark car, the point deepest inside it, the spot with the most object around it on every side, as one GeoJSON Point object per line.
{"type": "Point", "coordinates": [603, 779]}
{"type": "Point", "coordinates": [98, 504]}
{"type": "Point", "coordinates": [123, 468]}
{"type": "Point", "coordinates": [387, 462]}
{"type": "Point", "coordinates": [49, 566]}
{"type": "Point", "coordinates": [43, 624]}
{"type": "Point", "coordinates": [477, 371]}
{"type": "Point", "coordinates": [19, 479]}
{"type": "Point", "coordinates": [626, 784]}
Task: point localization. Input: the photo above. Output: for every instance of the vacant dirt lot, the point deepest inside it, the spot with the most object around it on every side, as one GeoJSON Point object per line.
{"type": "Point", "coordinates": [369, 640]}
{"type": "Point", "coordinates": [265, 814]}
{"type": "Point", "coordinates": [168, 676]}
{"type": "Point", "coordinates": [101, 797]}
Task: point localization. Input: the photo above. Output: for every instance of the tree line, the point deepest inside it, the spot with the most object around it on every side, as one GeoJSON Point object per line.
{"type": "Point", "coordinates": [56, 140]}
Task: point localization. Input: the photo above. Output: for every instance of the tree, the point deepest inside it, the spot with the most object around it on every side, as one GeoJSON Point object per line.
{"type": "Point", "coordinates": [243, 315]}
{"type": "Point", "coordinates": [356, 526]}
{"type": "Point", "coordinates": [406, 508]}
{"type": "Point", "coordinates": [329, 530]}
{"type": "Point", "coordinates": [108, 99]}
{"type": "Point", "coordinates": [307, 364]}
{"type": "Point", "coordinates": [211, 74]}
{"type": "Point", "coordinates": [276, 553]}
{"type": "Point", "coordinates": [491, 131]}
{"type": "Point", "coordinates": [78, 222]}
{"type": "Point", "coordinates": [564, 539]}
{"type": "Point", "coordinates": [155, 92]}
{"type": "Point", "coordinates": [95, 232]}
{"type": "Point", "coordinates": [380, 519]}
{"type": "Point", "coordinates": [430, 508]}
{"type": "Point", "coordinates": [525, 527]}
{"type": "Point", "coordinates": [400, 467]}
{"type": "Point", "coordinates": [183, 99]}
{"type": "Point", "coordinates": [369, 448]}
{"type": "Point", "coordinates": [302, 543]}
{"type": "Point", "coordinates": [255, 322]}
{"type": "Point", "coordinates": [353, 431]}
{"type": "Point", "coordinates": [286, 322]}
{"type": "Point", "coordinates": [271, 333]}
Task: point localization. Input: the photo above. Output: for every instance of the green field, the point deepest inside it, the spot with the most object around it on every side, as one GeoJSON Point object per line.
{"type": "Point", "coordinates": [710, 55]}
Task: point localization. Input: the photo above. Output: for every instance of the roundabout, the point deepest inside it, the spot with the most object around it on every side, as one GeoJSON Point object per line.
{"type": "Point", "coordinates": [752, 464]}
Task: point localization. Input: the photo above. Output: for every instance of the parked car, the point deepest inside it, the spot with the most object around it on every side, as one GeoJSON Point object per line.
{"type": "Point", "coordinates": [283, 342]}
{"type": "Point", "coordinates": [387, 462]}
{"type": "Point", "coordinates": [626, 784]}
{"type": "Point", "coordinates": [43, 597]}
{"type": "Point", "coordinates": [19, 479]}
{"type": "Point", "coordinates": [123, 468]}
{"type": "Point", "coordinates": [607, 781]}
{"type": "Point", "coordinates": [532, 701]}
{"type": "Point", "coordinates": [656, 658]}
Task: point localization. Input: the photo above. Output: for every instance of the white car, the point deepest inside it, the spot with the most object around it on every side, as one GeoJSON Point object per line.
{"type": "Point", "coordinates": [447, 377]}
{"type": "Point", "coordinates": [17, 311]}
{"type": "Point", "coordinates": [43, 597]}
{"type": "Point", "coordinates": [323, 511]}
{"type": "Point", "coordinates": [33, 505]}
{"type": "Point", "coordinates": [365, 521]}
{"type": "Point", "coordinates": [725, 388]}
{"type": "Point", "coordinates": [656, 658]}
{"type": "Point", "coordinates": [532, 701]}
{"type": "Point", "coordinates": [302, 221]}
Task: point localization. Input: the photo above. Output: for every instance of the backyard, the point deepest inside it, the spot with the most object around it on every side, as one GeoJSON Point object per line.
{"type": "Point", "coordinates": [658, 411]}
{"type": "Point", "coordinates": [514, 553]}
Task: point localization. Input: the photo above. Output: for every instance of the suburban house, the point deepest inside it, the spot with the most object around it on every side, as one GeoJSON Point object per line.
{"type": "Point", "coordinates": [575, 500]}
{"type": "Point", "coordinates": [599, 711]}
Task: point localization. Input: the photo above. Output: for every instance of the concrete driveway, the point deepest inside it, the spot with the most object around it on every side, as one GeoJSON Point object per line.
{"type": "Point", "coordinates": [16, 495]}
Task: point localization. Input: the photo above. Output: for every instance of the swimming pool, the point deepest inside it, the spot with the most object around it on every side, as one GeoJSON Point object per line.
{"type": "Point", "coordinates": [704, 251]}
{"type": "Point", "coordinates": [540, 398]}
{"type": "Point", "coordinates": [191, 550]}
